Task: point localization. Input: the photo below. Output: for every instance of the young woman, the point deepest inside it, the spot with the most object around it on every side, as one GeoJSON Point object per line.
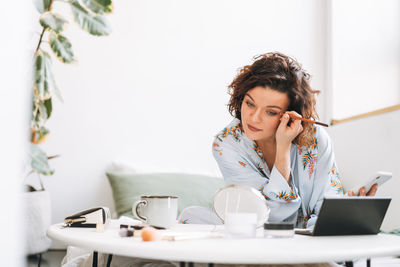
{"type": "Point", "coordinates": [290, 162]}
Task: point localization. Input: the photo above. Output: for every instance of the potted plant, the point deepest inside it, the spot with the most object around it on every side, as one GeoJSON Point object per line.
{"type": "Point", "coordinates": [89, 15]}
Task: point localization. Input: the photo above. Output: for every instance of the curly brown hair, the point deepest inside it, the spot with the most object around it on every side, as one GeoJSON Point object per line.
{"type": "Point", "coordinates": [281, 73]}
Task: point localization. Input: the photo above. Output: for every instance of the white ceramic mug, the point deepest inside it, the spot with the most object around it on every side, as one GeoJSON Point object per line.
{"type": "Point", "coordinates": [159, 211]}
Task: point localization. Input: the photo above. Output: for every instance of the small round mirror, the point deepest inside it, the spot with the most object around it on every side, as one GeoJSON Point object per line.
{"type": "Point", "coordinates": [240, 199]}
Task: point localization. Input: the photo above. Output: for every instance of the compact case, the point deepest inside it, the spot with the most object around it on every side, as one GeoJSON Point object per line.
{"type": "Point", "coordinates": [88, 218]}
{"type": "Point", "coordinates": [276, 230]}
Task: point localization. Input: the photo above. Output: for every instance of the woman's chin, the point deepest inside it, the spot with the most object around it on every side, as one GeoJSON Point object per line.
{"type": "Point", "coordinates": [251, 135]}
{"type": "Point", "coordinates": [254, 136]}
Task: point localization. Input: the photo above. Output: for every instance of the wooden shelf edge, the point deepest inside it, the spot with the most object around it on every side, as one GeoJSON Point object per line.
{"type": "Point", "coordinates": [367, 114]}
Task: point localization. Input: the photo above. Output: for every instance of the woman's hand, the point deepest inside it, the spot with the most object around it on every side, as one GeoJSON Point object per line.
{"type": "Point", "coordinates": [362, 192]}
{"type": "Point", "coordinates": [284, 136]}
{"type": "Point", "coordinates": [286, 133]}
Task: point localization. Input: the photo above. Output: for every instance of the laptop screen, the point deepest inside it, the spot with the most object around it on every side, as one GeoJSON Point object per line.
{"type": "Point", "coordinates": [351, 215]}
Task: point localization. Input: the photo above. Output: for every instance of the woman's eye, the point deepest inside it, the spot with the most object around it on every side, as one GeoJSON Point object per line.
{"type": "Point", "coordinates": [272, 113]}
{"type": "Point", "coordinates": [249, 104]}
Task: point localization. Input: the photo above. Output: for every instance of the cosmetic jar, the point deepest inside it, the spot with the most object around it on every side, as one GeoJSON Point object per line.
{"type": "Point", "coordinates": [240, 225]}
{"type": "Point", "coordinates": [278, 230]}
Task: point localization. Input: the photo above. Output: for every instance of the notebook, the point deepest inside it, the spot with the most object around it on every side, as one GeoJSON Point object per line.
{"type": "Point", "coordinates": [349, 216]}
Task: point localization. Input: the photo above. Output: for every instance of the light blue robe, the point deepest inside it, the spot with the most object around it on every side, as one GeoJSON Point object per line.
{"type": "Point", "coordinates": [313, 174]}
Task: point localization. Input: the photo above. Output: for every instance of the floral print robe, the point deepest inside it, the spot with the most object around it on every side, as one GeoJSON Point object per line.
{"type": "Point", "coordinates": [313, 174]}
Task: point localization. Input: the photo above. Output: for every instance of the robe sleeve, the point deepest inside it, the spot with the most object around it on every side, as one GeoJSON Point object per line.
{"type": "Point", "coordinates": [237, 168]}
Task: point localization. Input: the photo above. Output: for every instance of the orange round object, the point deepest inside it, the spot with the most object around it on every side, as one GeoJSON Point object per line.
{"type": "Point", "coordinates": [150, 234]}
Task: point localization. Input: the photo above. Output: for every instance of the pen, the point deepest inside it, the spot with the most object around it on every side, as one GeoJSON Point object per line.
{"type": "Point", "coordinates": [140, 226]}
{"type": "Point", "coordinates": [294, 117]}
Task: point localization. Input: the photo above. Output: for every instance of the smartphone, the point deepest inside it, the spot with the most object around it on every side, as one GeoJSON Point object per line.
{"type": "Point", "coordinates": [378, 178]}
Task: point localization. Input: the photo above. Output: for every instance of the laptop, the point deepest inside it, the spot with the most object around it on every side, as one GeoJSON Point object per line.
{"type": "Point", "coordinates": [349, 216]}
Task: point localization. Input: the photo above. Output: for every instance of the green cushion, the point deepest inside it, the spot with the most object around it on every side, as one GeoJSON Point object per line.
{"type": "Point", "coordinates": [191, 189]}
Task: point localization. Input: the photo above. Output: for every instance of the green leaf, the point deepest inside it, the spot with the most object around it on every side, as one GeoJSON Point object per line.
{"type": "Point", "coordinates": [95, 25]}
{"type": "Point", "coordinates": [39, 161]}
{"type": "Point", "coordinates": [35, 122]}
{"type": "Point", "coordinates": [49, 107]}
{"type": "Point", "coordinates": [43, 116]}
{"type": "Point", "coordinates": [52, 21]}
{"type": "Point", "coordinates": [39, 136]}
{"type": "Point", "coordinates": [35, 107]}
{"type": "Point", "coordinates": [40, 114]}
{"type": "Point", "coordinates": [44, 85]}
{"type": "Point", "coordinates": [61, 47]}
{"type": "Point", "coordinates": [43, 76]}
{"type": "Point", "coordinates": [100, 7]}
{"type": "Point", "coordinates": [42, 5]}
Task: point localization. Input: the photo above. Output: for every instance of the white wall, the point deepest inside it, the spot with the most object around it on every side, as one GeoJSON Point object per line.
{"type": "Point", "coordinates": [154, 92]}
{"type": "Point", "coordinates": [365, 146]}
{"type": "Point", "coordinates": [14, 110]}
{"type": "Point", "coordinates": [363, 73]}
{"type": "Point", "coordinates": [365, 56]}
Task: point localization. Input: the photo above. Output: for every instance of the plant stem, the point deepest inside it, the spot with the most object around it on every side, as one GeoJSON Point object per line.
{"type": "Point", "coordinates": [40, 40]}
{"type": "Point", "coordinates": [41, 35]}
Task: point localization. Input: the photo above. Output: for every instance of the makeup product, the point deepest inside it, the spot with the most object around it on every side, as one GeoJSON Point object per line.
{"type": "Point", "coordinates": [294, 117]}
{"type": "Point", "coordinates": [191, 236]}
{"type": "Point", "coordinates": [150, 234]}
{"type": "Point", "coordinates": [235, 198]}
{"type": "Point", "coordinates": [89, 218]}
{"type": "Point", "coordinates": [240, 225]}
{"type": "Point", "coordinates": [124, 232]}
{"type": "Point", "coordinates": [146, 232]}
{"type": "Point", "coordinates": [278, 230]}
{"type": "Point", "coordinates": [100, 227]}
{"type": "Point", "coordinates": [140, 226]}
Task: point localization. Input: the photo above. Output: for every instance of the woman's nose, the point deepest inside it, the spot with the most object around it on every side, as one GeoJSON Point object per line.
{"type": "Point", "coordinates": [256, 116]}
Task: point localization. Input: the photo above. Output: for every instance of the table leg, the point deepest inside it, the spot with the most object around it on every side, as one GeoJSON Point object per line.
{"type": "Point", "coordinates": [40, 259]}
{"type": "Point", "coordinates": [368, 262]}
{"type": "Point", "coordinates": [94, 262]}
{"type": "Point", "coordinates": [109, 260]}
{"type": "Point", "coordinates": [182, 264]}
{"type": "Point", "coordinates": [349, 263]}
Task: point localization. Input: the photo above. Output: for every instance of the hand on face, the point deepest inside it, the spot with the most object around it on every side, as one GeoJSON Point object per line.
{"type": "Point", "coordinates": [362, 192]}
{"type": "Point", "coordinates": [286, 133]}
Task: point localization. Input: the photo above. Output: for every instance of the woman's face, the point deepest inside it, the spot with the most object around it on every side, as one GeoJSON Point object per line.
{"type": "Point", "coordinates": [261, 108]}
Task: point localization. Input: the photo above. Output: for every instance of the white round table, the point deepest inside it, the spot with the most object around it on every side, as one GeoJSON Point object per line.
{"type": "Point", "coordinates": [299, 249]}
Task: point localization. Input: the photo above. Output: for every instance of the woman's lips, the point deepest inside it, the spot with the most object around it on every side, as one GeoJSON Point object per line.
{"type": "Point", "coordinates": [254, 129]}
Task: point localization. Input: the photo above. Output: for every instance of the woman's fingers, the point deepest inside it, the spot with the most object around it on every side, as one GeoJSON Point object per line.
{"type": "Point", "coordinates": [362, 192]}
{"type": "Point", "coordinates": [373, 190]}
{"type": "Point", "coordinates": [287, 132]}
{"type": "Point", "coordinates": [284, 119]}
{"type": "Point", "coordinates": [294, 113]}
{"type": "Point", "coordinates": [296, 124]}
{"type": "Point", "coordinates": [284, 122]}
